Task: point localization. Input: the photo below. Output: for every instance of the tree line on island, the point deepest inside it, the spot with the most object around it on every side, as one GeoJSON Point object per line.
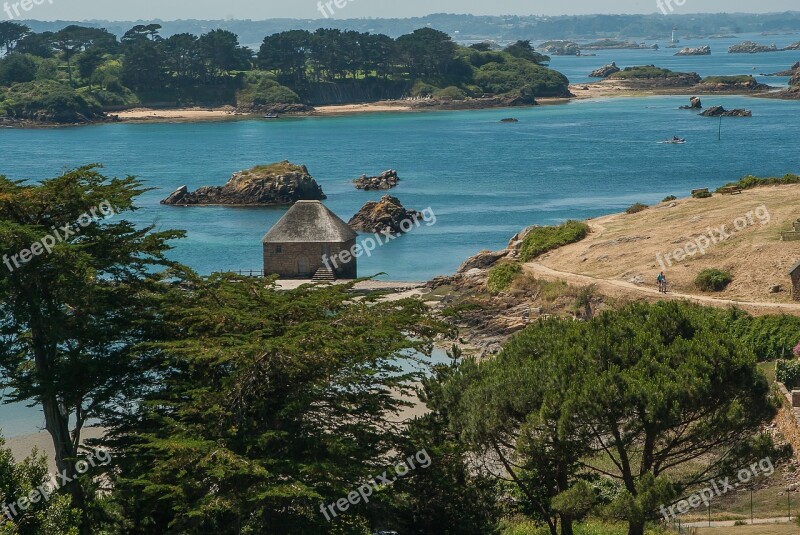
{"type": "Point", "coordinates": [229, 406]}
{"type": "Point", "coordinates": [77, 72]}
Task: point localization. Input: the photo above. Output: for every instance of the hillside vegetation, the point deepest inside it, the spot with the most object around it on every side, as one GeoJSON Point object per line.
{"type": "Point", "coordinates": [76, 73]}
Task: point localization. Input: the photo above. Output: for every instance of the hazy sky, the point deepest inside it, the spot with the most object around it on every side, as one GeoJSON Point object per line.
{"type": "Point", "coordinates": [308, 9]}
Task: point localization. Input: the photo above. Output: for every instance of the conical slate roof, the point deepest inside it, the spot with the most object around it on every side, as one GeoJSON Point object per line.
{"type": "Point", "coordinates": [309, 221]}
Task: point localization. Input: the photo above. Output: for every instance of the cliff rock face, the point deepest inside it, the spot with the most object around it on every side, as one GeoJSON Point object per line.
{"type": "Point", "coordinates": [264, 185]}
{"type": "Point", "coordinates": [700, 51]}
{"type": "Point", "coordinates": [605, 71]}
{"type": "Point", "coordinates": [386, 180]}
{"type": "Point", "coordinates": [750, 47]}
{"type": "Point", "coordinates": [384, 216]}
{"type": "Point", "coordinates": [719, 111]}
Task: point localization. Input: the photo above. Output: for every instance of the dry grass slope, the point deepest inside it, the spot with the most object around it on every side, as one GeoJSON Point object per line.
{"type": "Point", "coordinates": [623, 247]}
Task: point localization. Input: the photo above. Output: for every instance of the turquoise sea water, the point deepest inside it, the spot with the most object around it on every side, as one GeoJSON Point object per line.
{"type": "Point", "coordinates": [720, 63]}
{"type": "Point", "coordinates": [484, 180]}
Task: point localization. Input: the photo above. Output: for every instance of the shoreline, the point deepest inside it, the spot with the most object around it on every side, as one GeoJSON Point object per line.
{"type": "Point", "coordinates": [587, 91]}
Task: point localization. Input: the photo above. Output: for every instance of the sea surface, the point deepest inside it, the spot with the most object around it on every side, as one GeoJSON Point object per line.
{"type": "Point", "coordinates": [484, 180]}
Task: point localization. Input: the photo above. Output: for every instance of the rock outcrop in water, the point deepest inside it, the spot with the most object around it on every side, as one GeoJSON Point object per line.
{"type": "Point", "coordinates": [719, 111]}
{"type": "Point", "coordinates": [694, 104]}
{"type": "Point", "coordinates": [264, 185]}
{"type": "Point", "coordinates": [560, 48]}
{"type": "Point", "coordinates": [386, 180]}
{"type": "Point", "coordinates": [605, 71]}
{"type": "Point", "coordinates": [384, 216]}
{"type": "Point", "coordinates": [699, 51]}
{"type": "Point", "coordinates": [750, 47]}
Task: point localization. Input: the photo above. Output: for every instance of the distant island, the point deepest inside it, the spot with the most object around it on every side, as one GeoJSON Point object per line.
{"type": "Point", "coordinates": [82, 74]}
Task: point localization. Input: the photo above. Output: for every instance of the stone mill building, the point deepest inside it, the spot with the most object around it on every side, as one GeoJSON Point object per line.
{"type": "Point", "coordinates": [297, 246]}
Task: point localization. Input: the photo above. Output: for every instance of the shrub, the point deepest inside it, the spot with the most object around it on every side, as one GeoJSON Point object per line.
{"type": "Point", "coordinates": [502, 275]}
{"type": "Point", "coordinates": [421, 89]}
{"type": "Point", "coordinates": [648, 72]}
{"type": "Point", "coordinates": [543, 239]}
{"type": "Point", "coordinates": [17, 68]}
{"type": "Point", "coordinates": [702, 195]}
{"type": "Point", "coordinates": [788, 372]}
{"type": "Point", "coordinates": [669, 198]}
{"type": "Point", "coordinates": [751, 181]}
{"type": "Point", "coordinates": [261, 89]}
{"type": "Point", "coordinates": [50, 102]}
{"type": "Point", "coordinates": [450, 93]}
{"type": "Point", "coordinates": [713, 280]}
{"type": "Point", "coordinates": [514, 75]}
{"type": "Point", "coordinates": [636, 208]}
{"type": "Point", "coordinates": [770, 337]}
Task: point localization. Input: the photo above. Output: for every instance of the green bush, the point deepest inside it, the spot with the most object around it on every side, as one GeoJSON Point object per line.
{"type": "Point", "coordinates": [516, 74]}
{"type": "Point", "coordinates": [788, 372]}
{"type": "Point", "coordinates": [522, 526]}
{"type": "Point", "coordinates": [751, 181]}
{"type": "Point", "coordinates": [770, 337]}
{"type": "Point", "coordinates": [636, 208]}
{"type": "Point", "coordinates": [17, 68]}
{"type": "Point", "coordinates": [49, 101]}
{"type": "Point", "coordinates": [729, 80]}
{"type": "Point", "coordinates": [421, 89]}
{"type": "Point", "coordinates": [669, 198]}
{"type": "Point", "coordinates": [702, 195]}
{"type": "Point", "coordinates": [713, 280]}
{"type": "Point", "coordinates": [543, 239]}
{"type": "Point", "coordinates": [262, 89]}
{"type": "Point", "coordinates": [450, 93]}
{"type": "Point", "coordinates": [502, 275]}
{"type": "Point", "coordinates": [646, 72]}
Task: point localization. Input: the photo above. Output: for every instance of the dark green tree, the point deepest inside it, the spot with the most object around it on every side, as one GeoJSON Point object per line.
{"type": "Point", "coordinates": [266, 405]}
{"type": "Point", "coordinates": [76, 294]}
{"type": "Point", "coordinates": [669, 384]}
{"type": "Point", "coordinates": [88, 62]}
{"type": "Point", "coordinates": [524, 50]}
{"type": "Point", "coordinates": [17, 68]}
{"type": "Point", "coordinates": [222, 53]}
{"type": "Point", "coordinates": [37, 44]}
{"type": "Point", "coordinates": [11, 33]}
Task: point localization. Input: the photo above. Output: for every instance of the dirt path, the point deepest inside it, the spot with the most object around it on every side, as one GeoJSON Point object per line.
{"type": "Point", "coordinates": [617, 287]}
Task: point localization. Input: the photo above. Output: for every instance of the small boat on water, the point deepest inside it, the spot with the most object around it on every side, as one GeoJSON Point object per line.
{"type": "Point", "coordinates": [674, 141]}
{"type": "Point", "coordinates": [271, 116]}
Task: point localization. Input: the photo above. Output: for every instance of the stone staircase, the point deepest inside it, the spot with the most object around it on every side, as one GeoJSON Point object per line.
{"type": "Point", "coordinates": [324, 274]}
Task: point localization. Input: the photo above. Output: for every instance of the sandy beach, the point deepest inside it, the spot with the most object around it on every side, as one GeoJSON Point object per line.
{"type": "Point", "coordinates": [178, 115]}
{"type": "Point", "coordinates": [370, 107]}
{"type": "Point", "coordinates": [23, 445]}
